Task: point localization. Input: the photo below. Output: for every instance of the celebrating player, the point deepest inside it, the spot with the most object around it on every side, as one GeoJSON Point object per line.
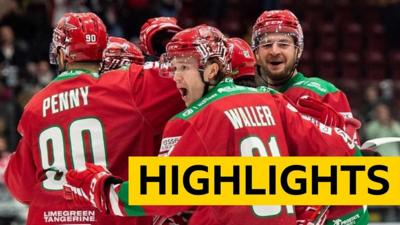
{"type": "Point", "coordinates": [219, 121]}
{"type": "Point", "coordinates": [82, 117]}
{"type": "Point", "coordinates": [278, 43]}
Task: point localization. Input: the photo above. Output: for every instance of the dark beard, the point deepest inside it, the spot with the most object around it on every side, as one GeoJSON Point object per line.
{"type": "Point", "coordinates": [263, 79]}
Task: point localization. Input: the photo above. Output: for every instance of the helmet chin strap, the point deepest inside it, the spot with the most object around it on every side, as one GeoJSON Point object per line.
{"type": "Point", "coordinates": [206, 83]}
{"type": "Point", "coordinates": [59, 67]}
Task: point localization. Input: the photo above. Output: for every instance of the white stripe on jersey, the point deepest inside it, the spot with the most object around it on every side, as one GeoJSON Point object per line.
{"type": "Point", "coordinates": [114, 201]}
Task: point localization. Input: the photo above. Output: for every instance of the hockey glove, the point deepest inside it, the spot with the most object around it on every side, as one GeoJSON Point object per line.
{"type": "Point", "coordinates": [327, 115]}
{"type": "Point", "coordinates": [90, 186]}
{"type": "Point", "coordinates": [313, 215]}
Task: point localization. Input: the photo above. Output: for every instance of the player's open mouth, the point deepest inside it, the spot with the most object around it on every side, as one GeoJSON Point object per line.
{"type": "Point", "coordinates": [275, 63]}
{"type": "Point", "coordinates": [183, 91]}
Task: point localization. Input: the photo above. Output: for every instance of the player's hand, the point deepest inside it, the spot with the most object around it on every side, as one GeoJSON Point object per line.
{"type": "Point", "coordinates": [90, 186]}
{"type": "Point", "coordinates": [181, 218]}
{"type": "Point", "coordinates": [327, 115]}
{"type": "Point", "coordinates": [320, 111]}
{"type": "Point", "coordinates": [351, 125]}
{"type": "Point", "coordinates": [313, 215]}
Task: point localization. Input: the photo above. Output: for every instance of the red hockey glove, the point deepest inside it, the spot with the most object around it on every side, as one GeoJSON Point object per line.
{"type": "Point", "coordinates": [327, 115]}
{"type": "Point", "coordinates": [351, 126]}
{"type": "Point", "coordinates": [313, 215]}
{"type": "Point", "coordinates": [181, 218]}
{"type": "Point", "coordinates": [90, 186]}
{"type": "Point", "coordinates": [320, 111]}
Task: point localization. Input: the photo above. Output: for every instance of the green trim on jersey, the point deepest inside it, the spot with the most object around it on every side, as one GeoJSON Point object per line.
{"type": "Point", "coordinates": [223, 89]}
{"type": "Point", "coordinates": [315, 84]}
{"type": "Point", "coordinates": [358, 217]}
{"type": "Point", "coordinates": [358, 152]}
{"type": "Point", "coordinates": [73, 73]}
{"type": "Point", "coordinates": [123, 197]}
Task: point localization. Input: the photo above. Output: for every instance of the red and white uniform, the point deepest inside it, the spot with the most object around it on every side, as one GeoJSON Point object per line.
{"type": "Point", "coordinates": [299, 86]}
{"type": "Point", "coordinates": [224, 124]}
{"type": "Point", "coordinates": [81, 117]}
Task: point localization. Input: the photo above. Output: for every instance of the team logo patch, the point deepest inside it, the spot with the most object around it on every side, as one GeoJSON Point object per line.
{"type": "Point", "coordinates": [167, 144]}
{"type": "Point", "coordinates": [350, 221]}
{"type": "Point", "coordinates": [188, 112]}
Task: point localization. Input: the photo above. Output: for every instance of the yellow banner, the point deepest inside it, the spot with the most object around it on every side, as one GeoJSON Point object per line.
{"type": "Point", "coordinates": [264, 180]}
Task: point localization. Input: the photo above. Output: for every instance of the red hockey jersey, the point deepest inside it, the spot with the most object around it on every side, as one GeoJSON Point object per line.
{"type": "Point", "coordinates": [240, 121]}
{"type": "Point", "coordinates": [81, 117]}
{"type": "Point", "coordinates": [299, 86]}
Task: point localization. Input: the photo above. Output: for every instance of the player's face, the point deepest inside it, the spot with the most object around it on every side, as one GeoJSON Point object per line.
{"type": "Point", "coordinates": [276, 55]}
{"type": "Point", "coordinates": [188, 79]}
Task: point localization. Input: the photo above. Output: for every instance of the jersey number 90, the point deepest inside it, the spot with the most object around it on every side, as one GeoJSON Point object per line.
{"type": "Point", "coordinates": [52, 146]}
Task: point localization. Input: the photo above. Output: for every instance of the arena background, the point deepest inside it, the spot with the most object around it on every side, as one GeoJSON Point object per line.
{"type": "Point", "coordinates": [353, 43]}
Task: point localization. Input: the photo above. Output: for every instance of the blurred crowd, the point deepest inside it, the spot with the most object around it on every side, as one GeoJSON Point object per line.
{"type": "Point", "coordinates": [353, 43]}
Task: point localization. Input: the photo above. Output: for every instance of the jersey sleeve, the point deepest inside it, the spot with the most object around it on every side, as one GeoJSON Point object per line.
{"type": "Point", "coordinates": [156, 97]}
{"type": "Point", "coordinates": [118, 205]}
{"type": "Point", "coordinates": [308, 137]}
{"type": "Point", "coordinates": [180, 138]}
{"type": "Point", "coordinates": [20, 175]}
{"type": "Point", "coordinates": [357, 214]}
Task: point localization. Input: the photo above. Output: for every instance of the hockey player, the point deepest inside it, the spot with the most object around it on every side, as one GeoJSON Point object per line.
{"type": "Point", "coordinates": [278, 43]}
{"type": "Point", "coordinates": [155, 33]}
{"type": "Point", "coordinates": [220, 120]}
{"type": "Point", "coordinates": [83, 117]}
{"type": "Point", "coordinates": [120, 52]}
{"type": "Point", "coordinates": [243, 73]}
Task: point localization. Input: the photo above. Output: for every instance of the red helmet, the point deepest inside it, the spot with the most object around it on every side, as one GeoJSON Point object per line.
{"type": "Point", "coordinates": [82, 37]}
{"type": "Point", "coordinates": [152, 27]}
{"type": "Point", "coordinates": [203, 43]}
{"type": "Point", "coordinates": [277, 21]}
{"type": "Point", "coordinates": [120, 52]}
{"type": "Point", "coordinates": [243, 60]}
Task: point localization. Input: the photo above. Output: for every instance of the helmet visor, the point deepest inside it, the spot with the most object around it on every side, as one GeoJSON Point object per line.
{"type": "Point", "coordinates": [171, 64]}
{"type": "Point", "coordinates": [53, 54]}
{"type": "Point", "coordinates": [282, 40]}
